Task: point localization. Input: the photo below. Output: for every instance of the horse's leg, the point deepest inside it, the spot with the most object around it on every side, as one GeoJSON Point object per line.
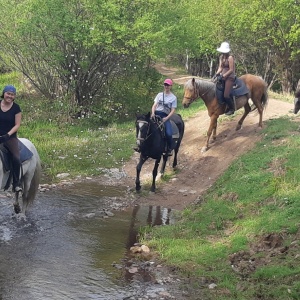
{"type": "Point", "coordinates": [214, 133]}
{"type": "Point", "coordinates": [175, 157]}
{"type": "Point", "coordinates": [138, 171]}
{"type": "Point", "coordinates": [27, 179]}
{"type": "Point", "coordinates": [154, 174]}
{"type": "Point", "coordinates": [260, 111]}
{"type": "Point", "coordinates": [163, 166]}
{"type": "Point", "coordinates": [176, 151]}
{"type": "Point", "coordinates": [212, 129]}
{"type": "Point", "coordinates": [17, 207]}
{"type": "Point", "coordinates": [247, 109]}
{"type": "Point", "coordinates": [258, 97]}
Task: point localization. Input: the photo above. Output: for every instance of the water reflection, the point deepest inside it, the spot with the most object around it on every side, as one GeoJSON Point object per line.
{"type": "Point", "coordinates": [65, 250]}
{"type": "Point", "coordinates": [141, 216]}
{"type": "Point", "coordinates": [162, 216]}
{"type": "Point", "coordinates": [154, 216]}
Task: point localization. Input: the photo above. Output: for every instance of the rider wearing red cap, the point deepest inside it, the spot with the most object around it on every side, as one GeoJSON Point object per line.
{"type": "Point", "coordinates": [165, 104]}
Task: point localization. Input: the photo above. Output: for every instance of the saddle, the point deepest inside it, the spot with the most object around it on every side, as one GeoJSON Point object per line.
{"type": "Point", "coordinates": [175, 131]}
{"type": "Point", "coordinates": [239, 89]}
{"type": "Point", "coordinates": [5, 157]}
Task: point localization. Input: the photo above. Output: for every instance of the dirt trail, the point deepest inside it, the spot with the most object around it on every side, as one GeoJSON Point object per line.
{"type": "Point", "coordinates": [198, 171]}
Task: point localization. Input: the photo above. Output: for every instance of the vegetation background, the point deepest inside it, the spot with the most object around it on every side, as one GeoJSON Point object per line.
{"type": "Point", "coordinates": [84, 68]}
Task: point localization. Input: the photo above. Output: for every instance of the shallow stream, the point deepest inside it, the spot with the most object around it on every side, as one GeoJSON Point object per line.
{"type": "Point", "coordinates": [70, 244]}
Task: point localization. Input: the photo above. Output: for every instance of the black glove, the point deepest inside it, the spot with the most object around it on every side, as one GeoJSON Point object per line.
{"type": "Point", "coordinates": [219, 77]}
{"type": "Point", "coordinates": [4, 138]}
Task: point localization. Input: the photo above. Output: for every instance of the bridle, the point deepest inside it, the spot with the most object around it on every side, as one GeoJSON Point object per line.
{"type": "Point", "coordinates": [148, 130]}
{"type": "Point", "coordinates": [148, 134]}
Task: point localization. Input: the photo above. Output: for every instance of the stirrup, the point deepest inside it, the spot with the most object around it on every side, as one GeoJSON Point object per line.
{"type": "Point", "coordinates": [18, 189]}
{"type": "Point", "coordinates": [137, 149]}
{"type": "Point", "coordinates": [229, 112]}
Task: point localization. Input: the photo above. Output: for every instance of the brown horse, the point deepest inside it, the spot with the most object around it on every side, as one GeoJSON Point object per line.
{"type": "Point", "coordinates": [206, 90]}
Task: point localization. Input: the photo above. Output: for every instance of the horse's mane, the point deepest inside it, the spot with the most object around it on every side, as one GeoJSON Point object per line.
{"type": "Point", "coordinates": [204, 87]}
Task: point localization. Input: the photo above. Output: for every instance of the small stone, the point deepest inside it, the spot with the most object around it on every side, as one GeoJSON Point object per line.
{"type": "Point", "coordinates": [63, 175]}
{"type": "Point", "coordinates": [133, 270]}
{"type": "Point", "coordinates": [212, 286]}
{"type": "Point", "coordinates": [145, 249]}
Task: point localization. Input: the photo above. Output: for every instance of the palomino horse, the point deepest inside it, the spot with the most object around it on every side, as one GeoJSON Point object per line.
{"type": "Point", "coordinates": [206, 90]}
{"type": "Point", "coordinates": [297, 99]}
{"type": "Point", "coordinates": [152, 143]}
{"type": "Point", "coordinates": [30, 175]}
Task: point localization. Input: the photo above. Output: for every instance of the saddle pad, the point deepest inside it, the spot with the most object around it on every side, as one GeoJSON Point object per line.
{"type": "Point", "coordinates": [239, 88]}
{"type": "Point", "coordinates": [175, 130]}
{"type": "Point", "coordinates": [25, 154]}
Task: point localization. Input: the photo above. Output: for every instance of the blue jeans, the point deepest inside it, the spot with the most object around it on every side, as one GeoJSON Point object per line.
{"type": "Point", "coordinates": [168, 129]}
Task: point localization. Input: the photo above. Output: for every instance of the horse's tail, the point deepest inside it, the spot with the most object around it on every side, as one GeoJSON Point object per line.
{"type": "Point", "coordinates": [264, 96]}
{"type": "Point", "coordinates": [34, 184]}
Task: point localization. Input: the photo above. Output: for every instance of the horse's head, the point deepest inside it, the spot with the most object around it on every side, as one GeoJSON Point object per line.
{"type": "Point", "coordinates": [190, 93]}
{"type": "Point", "coordinates": [142, 125]}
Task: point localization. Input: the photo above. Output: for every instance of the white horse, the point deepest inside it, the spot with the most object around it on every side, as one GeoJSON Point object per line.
{"type": "Point", "coordinates": [30, 178]}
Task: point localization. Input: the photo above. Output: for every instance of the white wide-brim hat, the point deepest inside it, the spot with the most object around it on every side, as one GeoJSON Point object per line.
{"type": "Point", "coordinates": [224, 48]}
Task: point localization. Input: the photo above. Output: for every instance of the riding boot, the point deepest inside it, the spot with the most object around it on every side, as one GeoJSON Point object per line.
{"type": "Point", "coordinates": [230, 105]}
{"type": "Point", "coordinates": [16, 166]}
{"type": "Point", "coordinates": [169, 152]}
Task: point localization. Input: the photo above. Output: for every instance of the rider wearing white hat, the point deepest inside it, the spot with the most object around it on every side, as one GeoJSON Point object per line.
{"type": "Point", "coordinates": [224, 48]}
{"type": "Point", "coordinates": [227, 72]}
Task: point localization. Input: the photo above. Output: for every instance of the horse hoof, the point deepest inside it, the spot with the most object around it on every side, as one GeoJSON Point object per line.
{"type": "Point", "coordinates": [17, 208]}
{"type": "Point", "coordinates": [204, 149]}
{"type": "Point", "coordinates": [238, 127]}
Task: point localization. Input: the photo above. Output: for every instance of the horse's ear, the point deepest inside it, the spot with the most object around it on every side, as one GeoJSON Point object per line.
{"type": "Point", "coordinates": [148, 115]}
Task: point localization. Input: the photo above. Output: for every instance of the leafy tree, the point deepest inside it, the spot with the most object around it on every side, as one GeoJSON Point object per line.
{"type": "Point", "coordinates": [265, 34]}
{"type": "Point", "coordinates": [74, 48]}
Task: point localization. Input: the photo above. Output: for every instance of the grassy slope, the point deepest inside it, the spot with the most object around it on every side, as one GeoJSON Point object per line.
{"type": "Point", "coordinates": [244, 233]}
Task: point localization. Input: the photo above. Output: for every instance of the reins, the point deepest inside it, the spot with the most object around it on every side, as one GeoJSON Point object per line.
{"type": "Point", "coordinates": [196, 90]}
{"type": "Point", "coordinates": [208, 89]}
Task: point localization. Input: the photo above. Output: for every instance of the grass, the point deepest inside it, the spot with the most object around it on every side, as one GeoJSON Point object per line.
{"type": "Point", "coordinates": [251, 213]}
{"type": "Point", "coordinates": [282, 96]}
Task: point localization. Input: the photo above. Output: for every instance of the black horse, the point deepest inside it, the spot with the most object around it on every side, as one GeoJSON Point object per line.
{"type": "Point", "coordinates": [297, 99]}
{"type": "Point", "coordinates": [152, 143]}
